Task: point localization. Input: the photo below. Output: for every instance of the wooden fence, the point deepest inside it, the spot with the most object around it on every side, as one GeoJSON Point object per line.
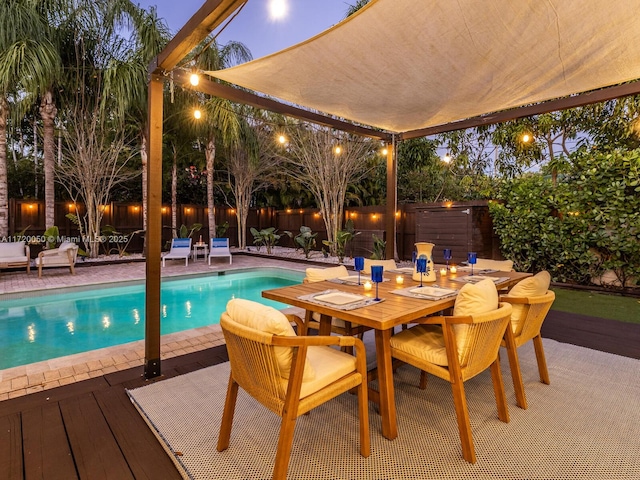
{"type": "Point", "coordinates": [461, 226]}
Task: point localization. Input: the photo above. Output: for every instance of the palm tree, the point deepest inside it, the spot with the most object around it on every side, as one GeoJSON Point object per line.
{"type": "Point", "coordinates": [221, 121]}
{"type": "Point", "coordinates": [28, 60]}
{"type": "Point", "coordinates": [126, 78]}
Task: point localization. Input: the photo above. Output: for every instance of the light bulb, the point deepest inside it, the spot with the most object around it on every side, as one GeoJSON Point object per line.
{"type": "Point", "coordinates": [338, 150]}
{"type": "Point", "coordinates": [197, 114]}
{"type": "Point", "coordinates": [282, 139]}
{"type": "Point", "coordinates": [194, 79]}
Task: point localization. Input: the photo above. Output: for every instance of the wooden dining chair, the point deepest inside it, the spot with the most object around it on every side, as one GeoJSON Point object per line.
{"type": "Point", "coordinates": [288, 374]}
{"type": "Point", "coordinates": [531, 301]}
{"type": "Point", "coordinates": [457, 348]}
{"type": "Point", "coordinates": [338, 325]}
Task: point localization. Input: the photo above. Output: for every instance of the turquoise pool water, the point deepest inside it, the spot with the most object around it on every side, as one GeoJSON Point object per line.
{"type": "Point", "coordinates": [50, 326]}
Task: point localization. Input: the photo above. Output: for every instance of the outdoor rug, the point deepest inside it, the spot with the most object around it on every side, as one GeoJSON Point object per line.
{"type": "Point", "coordinates": [585, 425]}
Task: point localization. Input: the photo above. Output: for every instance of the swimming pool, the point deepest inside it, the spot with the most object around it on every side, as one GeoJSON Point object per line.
{"type": "Point", "coordinates": [49, 326]}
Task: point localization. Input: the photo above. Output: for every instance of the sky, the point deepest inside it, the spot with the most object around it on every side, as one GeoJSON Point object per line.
{"type": "Point", "coordinates": [253, 25]}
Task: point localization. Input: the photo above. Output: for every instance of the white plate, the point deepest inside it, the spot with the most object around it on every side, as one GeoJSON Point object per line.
{"type": "Point", "coordinates": [339, 298]}
{"type": "Point", "coordinates": [479, 278]}
{"type": "Point", "coordinates": [432, 291]}
{"type": "Point", "coordinates": [406, 270]}
{"type": "Point", "coordinates": [354, 279]}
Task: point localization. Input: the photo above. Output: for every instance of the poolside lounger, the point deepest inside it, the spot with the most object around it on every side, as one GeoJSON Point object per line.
{"type": "Point", "coordinates": [219, 248]}
{"type": "Point", "coordinates": [180, 248]}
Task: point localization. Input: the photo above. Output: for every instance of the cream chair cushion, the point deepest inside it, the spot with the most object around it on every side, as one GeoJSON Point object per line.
{"type": "Point", "coordinates": [500, 265]}
{"type": "Point", "coordinates": [64, 246]}
{"type": "Point", "coordinates": [268, 320]}
{"type": "Point", "coordinates": [320, 274]}
{"type": "Point", "coordinates": [422, 341]}
{"type": "Point", "coordinates": [427, 342]}
{"type": "Point", "coordinates": [386, 265]}
{"type": "Point", "coordinates": [329, 365]}
{"type": "Point", "coordinates": [472, 299]}
{"type": "Point", "coordinates": [528, 287]}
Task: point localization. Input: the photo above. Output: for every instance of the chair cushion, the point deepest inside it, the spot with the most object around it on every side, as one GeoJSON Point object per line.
{"type": "Point", "coordinates": [64, 246]}
{"type": "Point", "coordinates": [528, 287]}
{"type": "Point", "coordinates": [268, 320]}
{"type": "Point", "coordinates": [386, 265]}
{"type": "Point", "coordinates": [476, 298]}
{"type": "Point", "coordinates": [472, 299]}
{"type": "Point", "coordinates": [320, 274]}
{"type": "Point", "coordinates": [500, 265]}
{"type": "Point", "coordinates": [12, 249]}
{"type": "Point", "coordinates": [329, 365]}
{"type": "Point", "coordinates": [422, 341]}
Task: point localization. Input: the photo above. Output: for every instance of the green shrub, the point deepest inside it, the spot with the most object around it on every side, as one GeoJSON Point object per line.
{"type": "Point", "coordinates": [589, 223]}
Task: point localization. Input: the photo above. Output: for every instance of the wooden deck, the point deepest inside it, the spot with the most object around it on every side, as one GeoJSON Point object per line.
{"type": "Point", "coordinates": [90, 429]}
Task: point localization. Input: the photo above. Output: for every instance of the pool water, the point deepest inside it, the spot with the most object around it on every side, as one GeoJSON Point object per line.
{"type": "Point", "coordinates": [50, 326]}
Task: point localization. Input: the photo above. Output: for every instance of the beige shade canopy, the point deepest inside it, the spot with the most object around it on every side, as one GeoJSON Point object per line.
{"type": "Point", "coordinates": [403, 65]}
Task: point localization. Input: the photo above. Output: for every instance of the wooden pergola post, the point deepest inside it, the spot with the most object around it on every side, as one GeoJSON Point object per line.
{"type": "Point", "coordinates": [392, 199]}
{"type": "Point", "coordinates": [154, 229]}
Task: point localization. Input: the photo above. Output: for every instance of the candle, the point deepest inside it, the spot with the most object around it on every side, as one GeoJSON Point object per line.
{"type": "Point", "coordinates": [443, 271]}
{"type": "Point", "coordinates": [367, 286]}
{"type": "Point", "coordinates": [453, 269]}
{"type": "Point", "coordinates": [399, 279]}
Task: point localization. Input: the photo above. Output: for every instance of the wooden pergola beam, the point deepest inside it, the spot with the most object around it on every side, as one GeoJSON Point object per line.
{"type": "Point", "coordinates": [198, 27]}
{"type": "Point", "coordinates": [579, 100]}
{"type": "Point", "coordinates": [216, 89]}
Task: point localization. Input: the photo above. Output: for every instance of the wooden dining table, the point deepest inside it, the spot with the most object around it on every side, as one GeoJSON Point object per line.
{"type": "Point", "coordinates": [382, 316]}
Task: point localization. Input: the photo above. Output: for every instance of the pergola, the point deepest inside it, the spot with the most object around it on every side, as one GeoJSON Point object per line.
{"type": "Point", "coordinates": [401, 69]}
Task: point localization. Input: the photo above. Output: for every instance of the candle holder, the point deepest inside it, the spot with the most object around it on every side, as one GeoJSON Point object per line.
{"type": "Point", "coordinates": [447, 256]}
{"type": "Point", "coordinates": [358, 264]}
{"type": "Point", "coordinates": [472, 258]}
{"type": "Point", "coordinates": [421, 267]}
{"type": "Point", "coordinates": [376, 277]}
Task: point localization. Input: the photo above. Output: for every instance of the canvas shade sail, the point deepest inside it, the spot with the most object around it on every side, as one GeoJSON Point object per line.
{"type": "Point", "coordinates": [403, 65]}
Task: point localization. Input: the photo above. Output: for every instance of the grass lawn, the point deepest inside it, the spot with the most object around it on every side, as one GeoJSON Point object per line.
{"type": "Point", "coordinates": [602, 305]}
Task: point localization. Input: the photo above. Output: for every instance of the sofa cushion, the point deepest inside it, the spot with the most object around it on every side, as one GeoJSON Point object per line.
{"type": "Point", "coordinates": [268, 320]}
{"type": "Point", "coordinates": [12, 249]}
{"type": "Point", "coordinates": [64, 246]}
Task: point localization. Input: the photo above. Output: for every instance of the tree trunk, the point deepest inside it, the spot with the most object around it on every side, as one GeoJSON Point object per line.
{"type": "Point", "coordinates": [210, 154]}
{"type": "Point", "coordinates": [4, 187]}
{"type": "Point", "coordinates": [48, 113]}
{"type": "Point", "coordinates": [174, 195]}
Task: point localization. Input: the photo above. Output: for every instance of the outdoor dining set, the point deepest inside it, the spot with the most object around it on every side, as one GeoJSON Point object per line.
{"type": "Point", "coordinates": [452, 326]}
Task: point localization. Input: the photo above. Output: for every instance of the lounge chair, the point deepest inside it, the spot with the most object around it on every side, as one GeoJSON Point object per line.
{"type": "Point", "coordinates": [63, 256]}
{"type": "Point", "coordinates": [14, 254]}
{"type": "Point", "coordinates": [288, 374]}
{"type": "Point", "coordinates": [180, 248]}
{"type": "Point", "coordinates": [219, 248]}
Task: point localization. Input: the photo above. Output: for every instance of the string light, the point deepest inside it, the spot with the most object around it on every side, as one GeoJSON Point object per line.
{"type": "Point", "coordinates": [526, 138]}
{"type": "Point", "coordinates": [337, 150]}
{"type": "Point", "coordinates": [282, 139]}
{"type": "Point", "coordinates": [446, 158]}
{"type": "Point", "coordinates": [197, 114]}
{"type": "Point", "coordinates": [194, 79]}
{"type": "Point", "coordinates": [385, 151]}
